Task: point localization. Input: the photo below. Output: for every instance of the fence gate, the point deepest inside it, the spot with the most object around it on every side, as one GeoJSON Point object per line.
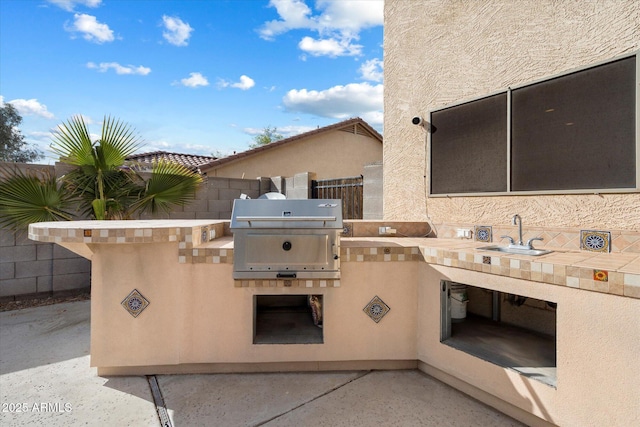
{"type": "Point", "coordinates": [347, 189]}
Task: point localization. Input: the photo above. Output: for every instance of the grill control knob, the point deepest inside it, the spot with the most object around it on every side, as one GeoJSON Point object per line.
{"type": "Point", "coordinates": [286, 246]}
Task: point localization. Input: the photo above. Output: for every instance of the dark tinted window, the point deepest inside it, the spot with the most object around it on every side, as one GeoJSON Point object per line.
{"type": "Point", "coordinates": [469, 147]}
{"type": "Point", "coordinates": [576, 131]}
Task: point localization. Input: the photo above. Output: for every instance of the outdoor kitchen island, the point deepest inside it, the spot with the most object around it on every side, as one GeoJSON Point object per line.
{"type": "Point", "coordinates": [164, 300]}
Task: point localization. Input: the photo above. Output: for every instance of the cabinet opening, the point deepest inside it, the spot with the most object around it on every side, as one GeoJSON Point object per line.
{"type": "Point", "coordinates": [512, 331]}
{"type": "Point", "coordinates": [288, 319]}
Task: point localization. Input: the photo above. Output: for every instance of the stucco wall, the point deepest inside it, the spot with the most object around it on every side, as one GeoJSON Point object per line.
{"type": "Point", "coordinates": [443, 52]}
{"type": "Point", "coordinates": [333, 155]}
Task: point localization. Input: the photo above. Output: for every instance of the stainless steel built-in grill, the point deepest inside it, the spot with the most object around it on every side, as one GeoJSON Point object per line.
{"type": "Point", "coordinates": [286, 239]}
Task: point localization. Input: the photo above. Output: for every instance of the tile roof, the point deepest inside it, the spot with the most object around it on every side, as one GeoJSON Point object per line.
{"type": "Point", "coordinates": [191, 161]}
{"type": "Point", "coordinates": [355, 125]}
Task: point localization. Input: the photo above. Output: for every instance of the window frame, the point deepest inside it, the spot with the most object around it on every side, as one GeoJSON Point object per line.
{"type": "Point", "coordinates": [507, 142]}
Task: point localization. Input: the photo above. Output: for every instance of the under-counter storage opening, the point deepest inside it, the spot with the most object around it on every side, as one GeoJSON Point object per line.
{"type": "Point", "coordinates": [288, 319]}
{"type": "Point", "coordinates": [512, 331]}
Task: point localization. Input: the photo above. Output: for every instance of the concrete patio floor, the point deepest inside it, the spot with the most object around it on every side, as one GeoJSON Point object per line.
{"type": "Point", "coordinates": [45, 379]}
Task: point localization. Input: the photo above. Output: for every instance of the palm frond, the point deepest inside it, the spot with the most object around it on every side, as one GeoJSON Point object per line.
{"type": "Point", "coordinates": [72, 142]}
{"type": "Point", "coordinates": [27, 198]}
{"type": "Point", "coordinates": [170, 184]}
{"type": "Point", "coordinates": [118, 141]}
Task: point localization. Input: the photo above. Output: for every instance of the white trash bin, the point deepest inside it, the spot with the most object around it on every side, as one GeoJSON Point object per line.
{"type": "Point", "coordinates": [459, 300]}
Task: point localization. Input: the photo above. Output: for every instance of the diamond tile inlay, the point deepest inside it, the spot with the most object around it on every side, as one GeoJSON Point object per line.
{"type": "Point", "coordinates": [483, 233]}
{"type": "Point", "coordinates": [595, 241]}
{"type": "Point", "coordinates": [135, 303]}
{"type": "Point", "coordinates": [376, 309]}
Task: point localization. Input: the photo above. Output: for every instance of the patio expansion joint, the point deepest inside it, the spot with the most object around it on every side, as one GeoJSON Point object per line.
{"type": "Point", "coordinates": [339, 386]}
{"type": "Point", "coordinates": [158, 399]}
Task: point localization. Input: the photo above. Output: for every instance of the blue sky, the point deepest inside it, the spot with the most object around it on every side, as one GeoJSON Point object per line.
{"type": "Point", "coordinates": [191, 76]}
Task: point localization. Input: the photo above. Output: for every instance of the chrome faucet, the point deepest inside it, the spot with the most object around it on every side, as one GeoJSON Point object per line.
{"type": "Point", "coordinates": [517, 220]}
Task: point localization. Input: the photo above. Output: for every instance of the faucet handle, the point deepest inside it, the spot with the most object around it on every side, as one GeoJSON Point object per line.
{"type": "Point", "coordinates": [511, 242]}
{"type": "Point", "coordinates": [532, 239]}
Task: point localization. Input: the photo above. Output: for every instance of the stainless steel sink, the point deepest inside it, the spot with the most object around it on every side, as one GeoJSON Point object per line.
{"type": "Point", "coordinates": [516, 251]}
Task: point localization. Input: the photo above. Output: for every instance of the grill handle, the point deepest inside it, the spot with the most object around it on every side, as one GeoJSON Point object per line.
{"type": "Point", "coordinates": [285, 218]}
{"type": "Point", "coordinates": [248, 219]}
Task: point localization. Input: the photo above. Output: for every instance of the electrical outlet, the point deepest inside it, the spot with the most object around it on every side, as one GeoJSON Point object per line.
{"type": "Point", "coordinates": [463, 233]}
{"type": "Point", "coordinates": [382, 231]}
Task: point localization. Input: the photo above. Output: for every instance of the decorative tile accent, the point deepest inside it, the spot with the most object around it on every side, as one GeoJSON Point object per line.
{"type": "Point", "coordinates": [87, 233]}
{"type": "Point", "coordinates": [595, 241]}
{"type": "Point", "coordinates": [288, 283]}
{"type": "Point", "coordinates": [486, 259]}
{"type": "Point", "coordinates": [376, 309]}
{"type": "Point", "coordinates": [380, 254]}
{"type": "Point", "coordinates": [601, 275]}
{"type": "Point", "coordinates": [135, 303]}
{"type": "Point", "coordinates": [483, 233]}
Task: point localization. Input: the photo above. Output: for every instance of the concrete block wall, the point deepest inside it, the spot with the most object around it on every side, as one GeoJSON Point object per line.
{"type": "Point", "coordinates": [275, 184]}
{"type": "Point", "coordinates": [299, 186]}
{"type": "Point", "coordinates": [214, 199]}
{"type": "Point", "coordinates": [28, 267]}
{"type": "Point", "coordinates": [372, 191]}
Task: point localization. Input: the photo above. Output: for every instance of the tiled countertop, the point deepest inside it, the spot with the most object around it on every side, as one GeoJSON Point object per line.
{"type": "Point", "coordinates": [613, 273]}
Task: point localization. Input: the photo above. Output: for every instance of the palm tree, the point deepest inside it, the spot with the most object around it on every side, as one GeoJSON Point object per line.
{"type": "Point", "coordinates": [100, 181]}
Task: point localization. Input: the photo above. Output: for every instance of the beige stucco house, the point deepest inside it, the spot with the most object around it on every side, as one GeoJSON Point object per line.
{"type": "Point", "coordinates": [335, 151]}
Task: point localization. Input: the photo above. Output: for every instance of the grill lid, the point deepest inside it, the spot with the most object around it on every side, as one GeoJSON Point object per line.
{"type": "Point", "coordinates": [287, 213]}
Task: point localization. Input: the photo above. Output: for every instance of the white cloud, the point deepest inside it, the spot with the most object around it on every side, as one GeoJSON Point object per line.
{"type": "Point", "coordinates": [88, 120]}
{"type": "Point", "coordinates": [339, 102]}
{"type": "Point", "coordinates": [350, 15]}
{"type": "Point", "coordinates": [372, 70]}
{"type": "Point", "coordinates": [245, 83]}
{"type": "Point", "coordinates": [69, 5]}
{"type": "Point", "coordinates": [194, 80]}
{"type": "Point", "coordinates": [31, 107]}
{"type": "Point", "coordinates": [285, 131]}
{"type": "Point", "coordinates": [39, 136]}
{"type": "Point", "coordinates": [329, 47]}
{"type": "Point", "coordinates": [288, 131]}
{"type": "Point", "coordinates": [176, 31]}
{"type": "Point", "coordinates": [119, 69]}
{"type": "Point", "coordinates": [91, 29]}
{"type": "Point", "coordinates": [338, 24]}
{"type": "Point", "coordinates": [176, 147]}
{"type": "Point", "coordinates": [293, 14]}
